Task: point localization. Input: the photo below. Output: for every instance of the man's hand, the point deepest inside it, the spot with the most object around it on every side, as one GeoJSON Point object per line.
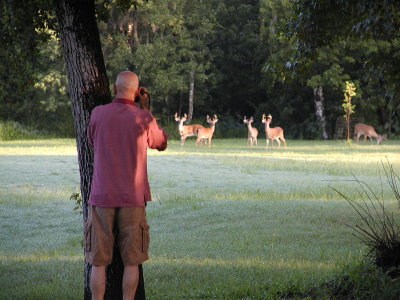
{"type": "Point", "coordinates": [144, 98]}
{"type": "Point", "coordinates": [163, 147]}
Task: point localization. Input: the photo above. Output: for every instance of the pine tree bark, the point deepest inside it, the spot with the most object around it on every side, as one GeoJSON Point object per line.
{"type": "Point", "coordinates": [319, 110]}
{"type": "Point", "coordinates": [87, 87]}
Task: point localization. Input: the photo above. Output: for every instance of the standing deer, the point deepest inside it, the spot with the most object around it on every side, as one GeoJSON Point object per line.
{"type": "Point", "coordinates": [272, 133]}
{"type": "Point", "coordinates": [186, 130]}
{"type": "Point", "coordinates": [367, 131]}
{"type": "Point", "coordinates": [252, 132]}
{"type": "Point", "coordinates": [207, 133]}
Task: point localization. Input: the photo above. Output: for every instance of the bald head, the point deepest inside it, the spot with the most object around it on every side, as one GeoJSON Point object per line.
{"type": "Point", "coordinates": [126, 85]}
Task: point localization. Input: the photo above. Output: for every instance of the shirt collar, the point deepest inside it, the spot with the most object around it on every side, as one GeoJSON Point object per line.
{"type": "Point", "coordinates": [123, 101]}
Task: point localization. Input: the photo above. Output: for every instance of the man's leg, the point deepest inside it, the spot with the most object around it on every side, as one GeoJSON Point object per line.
{"type": "Point", "coordinates": [98, 282]}
{"type": "Point", "coordinates": [130, 282]}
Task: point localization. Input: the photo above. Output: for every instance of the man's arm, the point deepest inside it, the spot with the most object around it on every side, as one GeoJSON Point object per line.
{"type": "Point", "coordinates": [154, 132]}
{"type": "Point", "coordinates": [156, 138]}
{"type": "Point", "coordinates": [164, 146]}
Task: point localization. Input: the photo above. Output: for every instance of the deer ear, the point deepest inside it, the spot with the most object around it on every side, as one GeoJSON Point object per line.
{"type": "Point", "coordinates": [185, 115]}
{"type": "Point", "coordinates": [176, 115]}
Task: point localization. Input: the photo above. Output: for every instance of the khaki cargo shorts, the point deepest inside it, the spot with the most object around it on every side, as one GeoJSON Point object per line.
{"type": "Point", "coordinates": [133, 238]}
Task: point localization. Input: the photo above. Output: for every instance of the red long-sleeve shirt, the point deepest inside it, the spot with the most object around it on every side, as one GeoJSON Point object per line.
{"type": "Point", "coordinates": [120, 133]}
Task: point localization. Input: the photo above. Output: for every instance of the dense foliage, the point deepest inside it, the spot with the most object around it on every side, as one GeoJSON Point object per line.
{"type": "Point", "coordinates": [368, 27]}
{"type": "Point", "coordinates": [229, 57]}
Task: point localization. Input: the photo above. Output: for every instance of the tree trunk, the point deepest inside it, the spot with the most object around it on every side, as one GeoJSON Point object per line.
{"type": "Point", "coordinates": [87, 87]}
{"type": "Point", "coordinates": [136, 40]}
{"type": "Point", "coordinates": [191, 93]}
{"type": "Point", "coordinates": [319, 110]}
{"type": "Point", "coordinates": [167, 105]}
{"type": "Point", "coordinates": [348, 125]}
{"type": "Point", "coordinates": [180, 103]}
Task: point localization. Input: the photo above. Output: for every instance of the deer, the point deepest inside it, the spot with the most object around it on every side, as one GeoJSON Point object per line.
{"type": "Point", "coordinates": [207, 133]}
{"type": "Point", "coordinates": [186, 130]}
{"type": "Point", "coordinates": [272, 133]}
{"type": "Point", "coordinates": [367, 131]}
{"type": "Point", "coordinates": [252, 132]}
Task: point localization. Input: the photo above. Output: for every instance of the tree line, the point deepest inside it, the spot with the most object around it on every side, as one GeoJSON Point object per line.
{"type": "Point", "coordinates": [226, 57]}
{"type": "Point", "coordinates": [29, 27]}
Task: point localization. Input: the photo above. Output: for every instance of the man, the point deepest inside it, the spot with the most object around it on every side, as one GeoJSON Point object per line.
{"type": "Point", "coordinates": [120, 133]}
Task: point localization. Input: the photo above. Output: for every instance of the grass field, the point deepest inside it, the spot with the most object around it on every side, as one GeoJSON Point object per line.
{"type": "Point", "coordinates": [230, 222]}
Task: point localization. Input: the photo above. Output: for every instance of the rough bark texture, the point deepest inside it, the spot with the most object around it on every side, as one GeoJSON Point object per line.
{"type": "Point", "coordinates": [319, 110]}
{"type": "Point", "coordinates": [191, 95]}
{"type": "Point", "coordinates": [87, 87]}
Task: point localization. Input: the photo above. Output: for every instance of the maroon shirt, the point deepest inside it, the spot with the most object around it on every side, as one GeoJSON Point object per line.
{"type": "Point", "coordinates": [120, 133]}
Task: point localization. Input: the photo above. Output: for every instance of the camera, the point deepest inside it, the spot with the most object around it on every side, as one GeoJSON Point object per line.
{"type": "Point", "coordinates": [143, 100]}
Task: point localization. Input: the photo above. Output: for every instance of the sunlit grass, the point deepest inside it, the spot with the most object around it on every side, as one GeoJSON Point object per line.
{"type": "Point", "coordinates": [227, 222]}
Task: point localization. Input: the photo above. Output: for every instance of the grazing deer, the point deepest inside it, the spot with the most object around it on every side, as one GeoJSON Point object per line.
{"type": "Point", "coordinates": [367, 131]}
{"type": "Point", "coordinates": [186, 130]}
{"type": "Point", "coordinates": [207, 133]}
{"type": "Point", "coordinates": [272, 133]}
{"type": "Point", "coordinates": [252, 132]}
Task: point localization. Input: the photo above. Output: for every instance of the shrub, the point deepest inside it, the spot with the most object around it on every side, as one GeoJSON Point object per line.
{"type": "Point", "coordinates": [361, 280]}
{"type": "Point", "coordinates": [380, 231]}
{"type": "Point", "coordinates": [11, 130]}
{"type": "Point", "coordinates": [357, 280]}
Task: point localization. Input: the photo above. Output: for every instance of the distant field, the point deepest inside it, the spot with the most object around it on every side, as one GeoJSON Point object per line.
{"type": "Point", "coordinates": [229, 222]}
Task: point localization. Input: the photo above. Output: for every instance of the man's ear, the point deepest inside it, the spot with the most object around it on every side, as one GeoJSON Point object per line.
{"type": "Point", "coordinates": [114, 89]}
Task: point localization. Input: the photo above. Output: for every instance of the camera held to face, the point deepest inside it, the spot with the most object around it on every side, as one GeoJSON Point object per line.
{"type": "Point", "coordinates": [143, 98]}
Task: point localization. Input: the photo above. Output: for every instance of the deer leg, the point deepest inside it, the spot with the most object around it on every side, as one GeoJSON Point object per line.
{"type": "Point", "coordinates": [209, 142]}
{"type": "Point", "coordinates": [284, 142]}
{"type": "Point", "coordinates": [183, 138]}
{"type": "Point", "coordinates": [267, 143]}
{"type": "Point", "coordinates": [279, 142]}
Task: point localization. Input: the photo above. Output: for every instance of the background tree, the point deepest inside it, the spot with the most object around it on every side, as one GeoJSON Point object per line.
{"type": "Point", "coordinates": [348, 107]}
{"type": "Point", "coordinates": [171, 52]}
{"type": "Point", "coordinates": [32, 85]}
{"type": "Point", "coordinates": [237, 59]}
{"type": "Point", "coordinates": [314, 25]}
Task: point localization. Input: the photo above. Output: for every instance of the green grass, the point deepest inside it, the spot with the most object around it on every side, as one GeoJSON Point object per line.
{"type": "Point", "coordinates": [230, 222]}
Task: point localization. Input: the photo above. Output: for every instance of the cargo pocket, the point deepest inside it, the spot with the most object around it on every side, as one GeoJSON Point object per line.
{"type": "Point", "coordinates": [145, 236]}
{"type": "Point", "coordinates": [88, 236]}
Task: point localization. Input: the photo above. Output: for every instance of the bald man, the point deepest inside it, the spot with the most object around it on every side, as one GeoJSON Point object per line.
{"type": "Point", "coordinates": [120, 133]}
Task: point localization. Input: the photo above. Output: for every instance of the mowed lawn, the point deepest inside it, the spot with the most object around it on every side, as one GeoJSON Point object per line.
{"type": "Point", "coordinates": [230, 222]}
